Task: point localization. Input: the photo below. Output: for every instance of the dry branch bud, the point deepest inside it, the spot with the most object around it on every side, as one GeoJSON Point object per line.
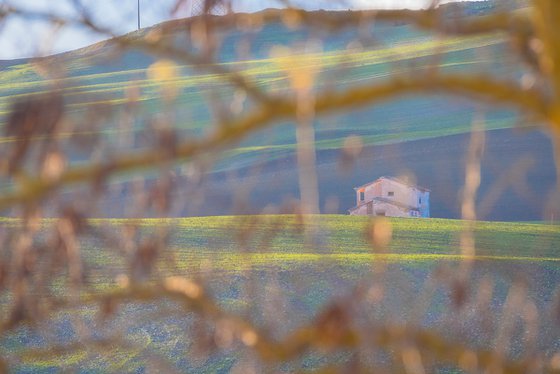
{"type": "Point", "coordinates": [412, 360]}
{"type": "Point", "coordinates": [380, 233]}
{"type": "Point", "coordinates": [107, 308]}
{"type": "Point", "coordinates": [301, 67]}
{"type": "Point", "coordinates": [351, 149]}
{"type": "Point", "coordinates": [249, 337]}
{"type": "Point", "coordinates": [185, 286]}
{"type": "Point", "coordinates": [29, 119]}
{"type": "Point", "coordinates": [165, 72]}
{"type": "Point", "coordinates": [555, 361]}
{"type": "Point", "coordinates": [468, 361]}
{"type": "Point", "coordinates": [37, 115]}
{"type": "Point", "coordinates": [224, 334]}
{"type": "Point", "coordinates": [292, 19]}
{"type": "Point", "coordinates": [459, 293]}
{"type": "Point", "coordinates": [333, 327]}
{"type": "Point", "coordinates": [53, 166]}
{"type": "Point", "coordinates": [122, 281]}
{"type": "Point", "coordinates": [75, 218]}
{"type": "Point", "coordinates": [3, 274]}
{"type": "Point", "coordinates": [144, 259]}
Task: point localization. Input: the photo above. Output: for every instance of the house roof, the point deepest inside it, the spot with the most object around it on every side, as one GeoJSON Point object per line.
{"type": "Point", "coordinates": [394, 180]}
{"type": "Point", "coordinates": [387, 201]}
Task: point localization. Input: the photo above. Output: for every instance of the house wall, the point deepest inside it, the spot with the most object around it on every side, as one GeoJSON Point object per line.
{"type": "Point", "coordinates": [408, 195]}
{"type": "Point", "coordinates": [360, 211]}
{"type": "Point", "coordinates": [401, 193]}
{"type": "Point", "coordinates": [371, 191]}
{"type": "Point", "coordinates": [395, 191]}
{"type": "Point", "coordinates": [425, 205]}
{"type": "Point", "coordinates": [381, 209]}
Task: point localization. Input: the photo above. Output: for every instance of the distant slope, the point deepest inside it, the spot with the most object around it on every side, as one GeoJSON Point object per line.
{"type": "Point", "coordinates": [517, 177]}
{"type": "Point", "coordinates": [101, 75]}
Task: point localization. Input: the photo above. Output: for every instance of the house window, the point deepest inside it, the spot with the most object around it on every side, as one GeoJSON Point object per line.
{"type": "Point", "coordinates": [370, 209]}
{"type": "Point", "coordinates": [362, 195]}
{"type": "Point", "coordinates": [419, 200]}
{"type": "Point", "coordinates": [391, 193]}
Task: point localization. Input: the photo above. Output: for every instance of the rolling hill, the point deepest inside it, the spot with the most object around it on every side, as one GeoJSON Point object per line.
{"type": "Point", "coordinates": [424, 136]}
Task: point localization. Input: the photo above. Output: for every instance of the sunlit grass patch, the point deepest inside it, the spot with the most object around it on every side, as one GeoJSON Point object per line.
{"type": "Point", "coordinates": [278, 241]}
{"type": "Point", "coordinates": [48, 359]}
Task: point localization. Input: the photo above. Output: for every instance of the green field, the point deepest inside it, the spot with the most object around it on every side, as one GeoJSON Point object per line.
{"type": "Point", "coordinates": [278, 241]}
{"type": "Point", "coordinates": [245, 259]}
{"type": "Point", "coordinates": [93, 80]}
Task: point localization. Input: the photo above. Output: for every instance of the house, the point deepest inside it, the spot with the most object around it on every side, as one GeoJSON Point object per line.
{"type": "Point", "coordinates": [391, 197]}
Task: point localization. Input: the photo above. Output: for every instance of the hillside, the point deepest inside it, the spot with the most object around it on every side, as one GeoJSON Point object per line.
{"type": "Point", "coordinates": [101, 76]}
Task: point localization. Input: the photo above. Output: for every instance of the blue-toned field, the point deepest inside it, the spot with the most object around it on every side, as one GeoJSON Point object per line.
{"type": "Point", "coordinates": [260, 267]}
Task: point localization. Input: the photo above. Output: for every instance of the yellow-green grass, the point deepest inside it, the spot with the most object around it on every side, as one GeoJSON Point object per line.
{"type": "Point", "coordinates": [344, 241]}
{"type": "Point", "coordinates": [279, 241]}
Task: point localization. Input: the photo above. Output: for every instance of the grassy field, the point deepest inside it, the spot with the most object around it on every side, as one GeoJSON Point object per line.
{"type": "Point", "coordinates": [343, 239]}
{"type": "Point", "coordinates": [245, 260]}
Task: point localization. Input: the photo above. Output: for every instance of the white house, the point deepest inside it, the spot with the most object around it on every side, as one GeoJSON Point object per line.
{"type": "Point", "coordinates": [391, 197]}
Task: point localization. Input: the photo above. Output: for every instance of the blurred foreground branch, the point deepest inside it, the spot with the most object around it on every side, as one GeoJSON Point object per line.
{"type": "Point", "coordinates": [40, 254]}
